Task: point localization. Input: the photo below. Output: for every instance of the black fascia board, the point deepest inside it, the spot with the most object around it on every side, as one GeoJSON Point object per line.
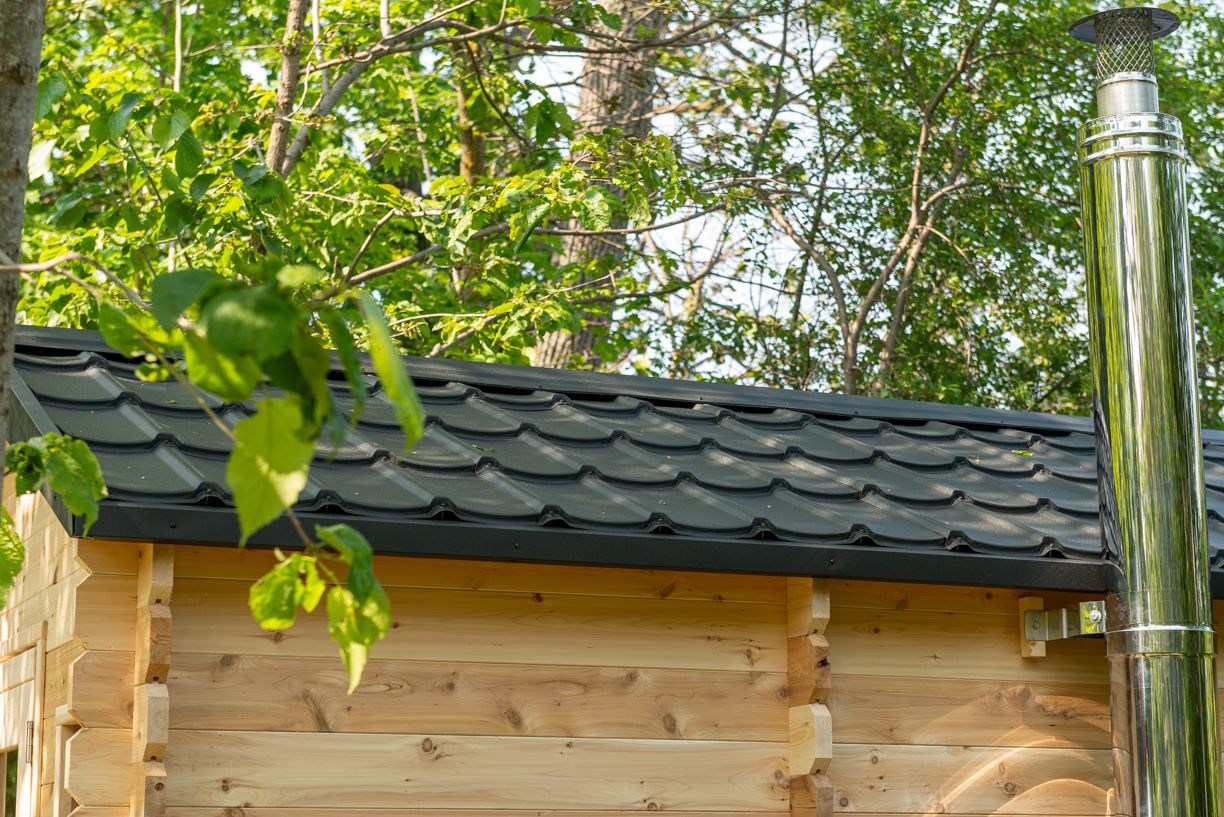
{"type": "Point", "coordinates": [217, 525]}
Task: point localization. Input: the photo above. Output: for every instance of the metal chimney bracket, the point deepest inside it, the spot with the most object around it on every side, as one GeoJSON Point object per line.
{"type": "Point", "coordinates": [1038, 625]}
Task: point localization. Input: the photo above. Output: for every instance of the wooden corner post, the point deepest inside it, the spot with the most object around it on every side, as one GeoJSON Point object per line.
{"type": "Point", "coordinates": [808, 679]}
{"type": "Point", "coordinates": [151, 698]}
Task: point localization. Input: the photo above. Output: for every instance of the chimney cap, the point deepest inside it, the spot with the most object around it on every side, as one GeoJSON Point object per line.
{"type": "Point", "coordinates": [1163, 23]}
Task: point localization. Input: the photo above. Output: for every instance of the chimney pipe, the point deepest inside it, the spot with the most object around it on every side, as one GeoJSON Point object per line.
{"type": "Point", "coordinates": [1145, 406]}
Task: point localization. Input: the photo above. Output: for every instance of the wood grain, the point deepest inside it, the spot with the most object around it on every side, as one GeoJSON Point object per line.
{"type": "Point", "coordinates": [435, 771]}
{"type": "Point", "coordinates": [811, 740]}
{"type": "Point", "coordinates": [211, 616]}
{"type": "Point", "coordinates": [284, 693]}
{"type": "Point", "coordinates": [972, 780]}
{"type": "Point", "coordinates": [105, 612]}
{"type": "Point", "coordinates": [58, 676]}
{"type": "Point", "coordinates": [511, 577]}
{"type": "Point", "coordinates": [807, 605]}
{"type": "Point", "coordinates": [954, 645]}
{"type": "Point", "coordinates": [119, 558]}
{"type": "Point", "coordinates": [808, 668]}
{"type": "Point", "coordinates": [940, 598]}
{"type": "Point", "coordinates": [150, 723]}
{"type": "Point", "coordinates": [100, 692]}
{"type": "Point", "coordinates": [154, 628]}
{"type": "Point", "coordinates": [812, 795]}
{"type": "Point", "coordinates": [186, 811]}
{"type": "Point", "coordinates": [98, 767]}
{"type": "Point", "coordinates": [903, 710]}
{"type": "Point", "coordinates": [155, 575]}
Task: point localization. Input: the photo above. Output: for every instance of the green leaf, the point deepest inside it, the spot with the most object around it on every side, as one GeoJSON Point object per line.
{"type": "Point", "coordinates": [396, 383]}
{"type": "Point", "coordinates": [27, 461]}
{"type": "Point", "coordinates": [346, 349]}
{"type": "Point", "coordinates": [12, 553]}
{"type": "Point", "coordinates": [533, 217]}
{"type": "Point", "coordinates": [296, 276]}
{"type": "Point", "coordinates": [230, 378]}
{"type": "Point", "coordinates": [274, 599]}
{"type": "Point", "coordinates": [201, 184]}
{"type": "Point", "coordinates": [256, 321]}
{"type": "Point", "coordinates": [612, 21]}
{"type": "Point", "coordinates": [356, 624]}
{"type": "Point", "coordinates": [302, 372]}
{"type": "Point", "coordinates": [179, 214]}
{"type": "Point", "coordinates": [168, 129]}
{"type": "Point", "coordinates": [313, 586]}
{"type": "Point", "coordinates": [50, 89]}
{"type": "Point", "coordinates": [595, 211]}
{"type": "Point", "coordinates": [268, 467]}
{"type": "Point", "coordinates": [188, 155]}
{"type": "Point", "coordinates": [117, 122]}
{"type": "Point", "coordinates": [173, 293]}
{"type": "Point", "coordinates": [120, 331]}
{"type": "Point", "coordinates": [99, 152]}
{"type": "Point", "coordinates": [74, 474]}
{"type": "Point", "coordinates": [348, 543]}
{"type": "Point", "coordinates": [40, 158]}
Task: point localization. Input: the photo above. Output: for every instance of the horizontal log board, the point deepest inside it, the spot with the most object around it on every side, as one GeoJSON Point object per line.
{"type": "Point", "coordinates": [186, 811]}
{"type": "Point", "coordinates": [440, 771]}
{"type": "Point", "coordinates": [105, 612]}
{"type": "Point", "coordinates": [971, 780]}
{"type": "Point", "coordinates": [949, 712]}
{"type": "Point", "coordinates": [511, 577]}
{"type": "Point", "coordinates": [211, 616]}
{"type": "Point", "coordinates": [271, 694]}
{"type": "Point", "coordinates": [954, 645]}
{"type": "Point", "coordinates": [941, 598]}
{"type": "Point", "coordinates": [101, 684]}
{"type": "Point", "coordinates": [57, 689]}
{"type": "Point", "coordinates": [54, 604]}
{"type": "Point", "coordinates": [98, 762]}
{"type": "Point", "coordinates": [108, 556]}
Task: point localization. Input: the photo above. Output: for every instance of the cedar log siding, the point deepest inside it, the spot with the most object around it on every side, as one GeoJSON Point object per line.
{"type": "Point", "coordinates": [935, 712]}
{"type": "Point", "coordinates": [529, 690]}
{"type": "Point", "coordinates": [72, 596]}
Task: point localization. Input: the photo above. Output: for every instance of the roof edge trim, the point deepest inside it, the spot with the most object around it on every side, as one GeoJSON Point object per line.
{"type": "Point", "coordinates": [217, 526]}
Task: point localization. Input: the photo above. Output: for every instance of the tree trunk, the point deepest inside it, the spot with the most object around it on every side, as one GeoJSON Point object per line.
{"type": "Point", "coordinates": [617, 92]}
{"type": "Point", "coordinates": [21, 31]}
{"type": "Point", "coordinates": [471, 144]}
{"type": "Point", "coordinates": [286, 90]}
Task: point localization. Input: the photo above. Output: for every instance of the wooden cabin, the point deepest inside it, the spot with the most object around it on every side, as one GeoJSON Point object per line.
{"type": "Point", "coordinates": [611, 595]}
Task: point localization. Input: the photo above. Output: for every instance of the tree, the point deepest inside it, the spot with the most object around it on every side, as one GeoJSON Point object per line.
{"type": "Point", "coordinates": [617, 95]}
{"type": "Point", "coordinates": [872, 197]}
{"type": "Point", "coordinates": [21, 31]}
{"type": "Point", "coordinates": [160, 218]}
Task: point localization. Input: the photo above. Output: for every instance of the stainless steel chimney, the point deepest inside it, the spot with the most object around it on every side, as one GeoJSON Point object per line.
{"type": "Point", "coordinates": [1145, 405]}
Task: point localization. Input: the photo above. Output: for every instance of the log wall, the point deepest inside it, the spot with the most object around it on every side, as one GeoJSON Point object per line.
{"type": "Point", "coordinates": [501, 689]}
{"type": "Point", "coordinates": [935, 712]}
{"type": "Point", "coordinates": [573, 692]}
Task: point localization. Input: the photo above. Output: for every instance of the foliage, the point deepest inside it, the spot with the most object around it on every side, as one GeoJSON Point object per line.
{"type": "Point", "coordinates": [64, 464]}
{"type": "Point", "coordinates": [869, 196]}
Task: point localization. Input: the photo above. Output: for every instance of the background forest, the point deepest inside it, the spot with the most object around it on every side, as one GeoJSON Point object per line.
{"type": "Point", "coordinates": [869, 197]}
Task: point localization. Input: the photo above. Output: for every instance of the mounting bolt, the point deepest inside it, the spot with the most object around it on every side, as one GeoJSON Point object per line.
{"type": "Point", "coordinates": [1094, 615]}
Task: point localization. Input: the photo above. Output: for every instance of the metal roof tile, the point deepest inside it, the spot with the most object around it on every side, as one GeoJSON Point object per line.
{"type": "Point", "coordinates": [513, 448]}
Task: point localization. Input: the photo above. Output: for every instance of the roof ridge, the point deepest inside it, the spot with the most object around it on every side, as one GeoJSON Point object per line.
{"type": "Point", "coordinates": [493, 376]}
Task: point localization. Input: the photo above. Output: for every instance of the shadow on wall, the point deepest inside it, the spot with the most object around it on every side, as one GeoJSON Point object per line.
{"type": "Point", "coordinates": [935, 712]}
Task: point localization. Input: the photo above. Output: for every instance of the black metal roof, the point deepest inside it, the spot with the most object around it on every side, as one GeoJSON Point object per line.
{"type": "Point", "coordinates": [538, 464]}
